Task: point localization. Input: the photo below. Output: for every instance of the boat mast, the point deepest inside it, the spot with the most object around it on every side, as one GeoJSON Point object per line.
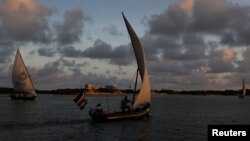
{"type": "Point", "coordinates": [136, 78]}
{"type": "Point", "coordinates": [107, 101]}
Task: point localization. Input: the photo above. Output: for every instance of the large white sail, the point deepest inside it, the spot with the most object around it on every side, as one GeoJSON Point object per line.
{"type": "Point", "coordinates": [144, 95]}
{"type": "Point", "coordinates": [20, 77]}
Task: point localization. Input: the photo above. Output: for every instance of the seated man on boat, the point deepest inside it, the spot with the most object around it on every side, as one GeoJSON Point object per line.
{"type": "Point", "coordinates": [124, 104]}
{"type": "Point", "coordinates": [97, 113]}
{"type": "Point", "coordinates": [98, 109]}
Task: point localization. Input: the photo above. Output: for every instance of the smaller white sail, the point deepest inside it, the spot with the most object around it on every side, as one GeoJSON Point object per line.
{"type": "Point", "coordinates": [243, 88]}
{"type": "Point", "coordinates": [20, 77]}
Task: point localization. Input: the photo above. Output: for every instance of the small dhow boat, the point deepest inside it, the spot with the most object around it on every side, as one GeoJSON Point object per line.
{"type": "Point", "coordinates": [23, 85]}
{"type": "Point", "coordinates": [141, 105]}
{"type": "Point", "coordinates": [242, 95]}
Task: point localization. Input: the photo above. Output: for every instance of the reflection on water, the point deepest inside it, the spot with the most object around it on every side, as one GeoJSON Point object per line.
{"type": "Point", "coordinates": [119, 130]}
{"type": "Point", "coordinates": [53, 118]}
{"type": "Point", "coordinates": [140, 130]}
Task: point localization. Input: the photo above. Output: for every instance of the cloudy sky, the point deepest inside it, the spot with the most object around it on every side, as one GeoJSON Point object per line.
{"type": "Point", "coordinates": [189, 44]}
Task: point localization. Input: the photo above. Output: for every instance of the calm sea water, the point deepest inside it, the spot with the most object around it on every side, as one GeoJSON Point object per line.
{"type": "Point", "coordinates": [177, 118]}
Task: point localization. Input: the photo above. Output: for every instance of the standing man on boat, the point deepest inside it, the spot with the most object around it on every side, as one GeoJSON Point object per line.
{"type": "Point", "coordinates": [124, 104]}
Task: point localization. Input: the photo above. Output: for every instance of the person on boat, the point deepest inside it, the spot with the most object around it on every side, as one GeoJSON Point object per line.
{"type": "Point", "coordinates": [124, 104]}
{"type": "Point", "coordinates": [98, 109]}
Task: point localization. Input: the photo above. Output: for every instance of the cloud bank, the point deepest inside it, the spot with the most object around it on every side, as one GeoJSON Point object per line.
{"type": "Point", "coordinates": [192, 44]}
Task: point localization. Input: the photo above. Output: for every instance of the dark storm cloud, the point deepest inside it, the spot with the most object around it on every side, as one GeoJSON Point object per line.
{"type": "Point", "coordinates": [102, 50]}
{"type": "Point", "coordinates": [6, 52]}
{"type": "Point", "coordinates": [244, 64]}
{"type": "Point", "coordinates": [69, 51]}
{"type": "Point", "coordinates": [48, 52]}
{"type": "Point", "coordinates": [24, 21]}
{"type": "Point", "coordinates": [172, 22]}
{"type": "Point", "coordinates": [220, 66]}
{"type": "Point", "coordinates": [163, 47]}
{"type": "Point", "coordinates": [222, 18]}
{"type": "Point", "coordinates": [172, 67]}
{"type": "Point", "coordinates": [54, 72]}
{"type": "Point", "coordinates": [210, 16]}
{"type": "Point", "coordinates": [194, 47]}
{"type": "Point", "coordinates": [112, 29]}
{"type": "Point", "coordinates": [83, 64]}
{"type": "Point", "coordinates": [70, 29]}
{"type": "Point", "coordinates": [197, 37]}
{"type": "Point", "coordinates": [66, 62]}
{"type": "Point", "coordinates": [27, 21]}
{"type": "Point", "coordinates": [49, 70]}
{"type": "Point", "coordinates": [151, 49]}
{"type": "Point", "coordinates": [122, 55]}
{"type": "Point", "coordinates": [221, 61]}
{"type": "Point", "coordinates": [180, 33]}
{"type": "Point", "coordinates": [5, 76]}
{"type": "Point", "coordinates": [191, 47]}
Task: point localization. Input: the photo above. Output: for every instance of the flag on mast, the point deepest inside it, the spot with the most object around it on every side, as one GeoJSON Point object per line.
{"type": "Point", "coordinates": [80, 100]}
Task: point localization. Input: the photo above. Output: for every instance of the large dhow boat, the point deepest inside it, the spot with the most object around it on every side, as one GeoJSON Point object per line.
{"type": "Point", "coordinates": [23, 85]}
{"type": "Point", "coordinates": [141, 104]}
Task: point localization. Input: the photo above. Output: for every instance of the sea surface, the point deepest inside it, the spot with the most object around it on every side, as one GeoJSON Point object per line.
{"type": "Point", "coordinates": [173, 118]}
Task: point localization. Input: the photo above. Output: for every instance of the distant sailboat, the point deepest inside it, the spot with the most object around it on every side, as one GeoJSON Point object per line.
{"type": "Point", "coordinates": [242, 95]}
{"type": "Point", "coordinates": [141, 105]}
{"type": "Point", "coordinates": [23, 85]}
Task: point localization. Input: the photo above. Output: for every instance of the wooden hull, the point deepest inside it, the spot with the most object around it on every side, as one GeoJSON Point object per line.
{"type": "Point", "coordinates": [128, 115]}
{"type": "Point", "coordinates": [15, 97]}
{"type": "Point", "coordinates": [104, 117]}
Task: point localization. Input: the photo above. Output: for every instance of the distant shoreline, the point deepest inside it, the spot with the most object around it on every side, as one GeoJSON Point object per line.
{"type": "Point", "coordinates": [107, 92]}
{"type": "Point", "coordinates": [153, 94]}
{"type": "Point", "coordinates": [120, 95]}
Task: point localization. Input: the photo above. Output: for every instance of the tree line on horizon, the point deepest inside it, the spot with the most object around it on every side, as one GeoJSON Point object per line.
{"type": "Point", "coordinates": [5, 90]}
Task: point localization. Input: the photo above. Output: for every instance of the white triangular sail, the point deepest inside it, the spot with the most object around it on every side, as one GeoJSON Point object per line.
{"type": "Point", "coordinates": [144, 95]}
{"type": "Point", "coordinates": [243, 88]}
{"type": "Point", "coordinates": [20, 77]}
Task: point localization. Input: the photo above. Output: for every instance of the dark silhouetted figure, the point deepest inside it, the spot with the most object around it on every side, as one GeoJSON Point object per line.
{"type": "Point", "coordinates": [98, 109]}
{"type": "Point", "coordinates": [124, 104]}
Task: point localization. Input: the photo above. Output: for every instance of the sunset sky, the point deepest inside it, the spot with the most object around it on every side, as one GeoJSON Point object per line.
{"type": "Point", "coordinates": [189, 44]}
